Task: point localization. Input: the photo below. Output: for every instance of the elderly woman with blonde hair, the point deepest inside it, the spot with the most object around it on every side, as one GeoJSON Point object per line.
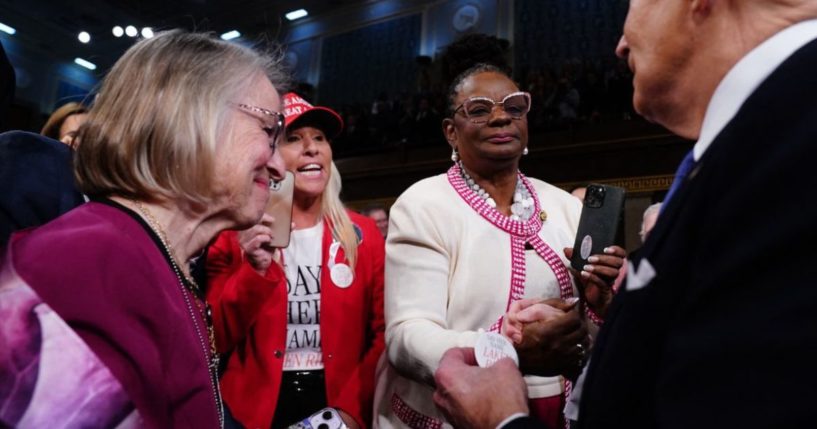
{"type": "Point", "coordinates": [103, 324]}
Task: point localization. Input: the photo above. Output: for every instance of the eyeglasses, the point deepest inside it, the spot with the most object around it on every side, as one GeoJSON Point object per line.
{"type": "Point", "coordinates": [273, 122]}
{"type": "Point", "coordinates": [478, 109]}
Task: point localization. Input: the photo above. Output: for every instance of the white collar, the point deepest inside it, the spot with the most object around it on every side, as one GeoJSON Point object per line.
{"type": "Point", "coordinates": [744, 78]}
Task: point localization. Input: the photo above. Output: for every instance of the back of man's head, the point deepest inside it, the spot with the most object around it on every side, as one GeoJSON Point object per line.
{"type": "Point", "coordinates": [675, 75]}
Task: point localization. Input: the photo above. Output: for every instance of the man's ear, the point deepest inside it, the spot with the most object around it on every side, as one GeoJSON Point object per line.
{"type": "Point", "coordinates": [450, 132]}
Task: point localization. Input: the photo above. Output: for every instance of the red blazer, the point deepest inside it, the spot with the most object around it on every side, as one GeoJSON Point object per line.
{"type": "Point", "coordinates": [249, 314]}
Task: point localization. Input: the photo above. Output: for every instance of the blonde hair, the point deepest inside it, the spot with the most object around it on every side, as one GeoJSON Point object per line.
{"type": "Point", "coordinates": [153, 130]}
{"type": "Point", "coordinates": [333, 210]}
{"type": "Point", "coordinates": [54, 123]}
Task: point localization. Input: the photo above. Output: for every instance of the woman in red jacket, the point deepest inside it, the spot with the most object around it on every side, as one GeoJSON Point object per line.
{"type": "Point", "coordinates": [304, 323]}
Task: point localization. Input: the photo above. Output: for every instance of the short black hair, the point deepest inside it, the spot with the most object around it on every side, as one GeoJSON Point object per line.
{"type": "Point", "coordinates": [472, 49]}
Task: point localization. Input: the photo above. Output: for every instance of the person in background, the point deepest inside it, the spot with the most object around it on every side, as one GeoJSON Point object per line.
{"type": "Point", "coordinates": [426, 121]}
{"type": "Point", "coordinates": [648, 221]}
{"type": "Point", "coordinates": [579, 191]}
{"type": "Point", "coordinates": [714, 326]}
{"type": "Point", "coordinates": [305, 323]}
{"type": "Point", "coordinates": [64, 123]}
{"type": "Point", "coordinates": [466, 245]}
{"type": "Point", "coordinates": [36, 181]}
{"type": "Point", "coordinates": [98, 307]}
{"type": "Point", "coordinates": [378, 213]}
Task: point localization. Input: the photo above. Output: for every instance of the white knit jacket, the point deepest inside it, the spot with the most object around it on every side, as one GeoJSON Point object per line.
{"type": "Point", "coordinates": [448, 275]}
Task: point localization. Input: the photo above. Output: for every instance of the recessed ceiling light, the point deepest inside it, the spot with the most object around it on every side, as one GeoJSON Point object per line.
{"type": "Point", "coordinates": [131, 31]}
{"type": "Point", "coordinates": [87, 64]}
{"type": "Point", "coordinates": [6, 29]}
{"type": "Point", "coordinates": [295, 14]}
{"type": "Point", "coordinates": [147, 32]}
{"type": "Point", "coordinates": [84, 37]}
{"type": "Point", "coordinates": [118, 31]}
{"type": "Point", "coordinates": [230, 35]}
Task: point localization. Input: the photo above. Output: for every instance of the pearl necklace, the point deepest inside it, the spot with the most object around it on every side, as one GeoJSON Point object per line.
{"type": "Point", "coordinates": [188, 283]}
{"type": "Point", "coordinates": [522, 207]}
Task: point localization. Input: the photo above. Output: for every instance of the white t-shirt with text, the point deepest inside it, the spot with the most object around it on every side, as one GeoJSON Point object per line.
{"type": "Point", "coordinates": [302, 265]}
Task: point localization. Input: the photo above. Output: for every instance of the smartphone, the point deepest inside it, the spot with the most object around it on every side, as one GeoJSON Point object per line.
{"type": "Point", "coordinates": [280, 208]}
{"type": "Point", "coordinates": [600, 224]}
{"type": "Point", "coordinates": [327, 418]}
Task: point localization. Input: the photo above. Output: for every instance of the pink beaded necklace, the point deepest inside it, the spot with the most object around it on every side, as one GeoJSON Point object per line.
{"type": "Point", "coordinates": [521, 232]}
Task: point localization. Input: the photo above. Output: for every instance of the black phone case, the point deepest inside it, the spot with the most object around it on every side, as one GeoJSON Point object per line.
{"type": "Point", "coordinates": [600, 224]}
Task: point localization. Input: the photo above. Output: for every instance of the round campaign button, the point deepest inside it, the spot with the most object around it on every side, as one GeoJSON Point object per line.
{"type": "Point", "coordinates": [341, 275]}
{"type": "Point", "coordinates": [491, 347]}
{"type": "Point", "coordinates": [587, 246]}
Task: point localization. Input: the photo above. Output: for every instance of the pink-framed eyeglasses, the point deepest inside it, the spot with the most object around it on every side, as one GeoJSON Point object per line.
{"type": "Point", "coordinates": [273, 121]}
{"type": "Point", "coordinates": [478, 109]}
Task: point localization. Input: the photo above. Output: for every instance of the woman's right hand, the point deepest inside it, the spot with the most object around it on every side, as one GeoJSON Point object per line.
{"type": "Point", "coordinates": [556, 345]}
{"type": "Point", "coordinates": [526, 311]}
{"type": "Point", "coordinates": [254, 243]}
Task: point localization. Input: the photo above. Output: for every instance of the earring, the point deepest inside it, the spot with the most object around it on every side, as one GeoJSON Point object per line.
{"type": "Point", "coordinates": [455, 156]}
{"type": "Point", "coordinates": [525, 151]}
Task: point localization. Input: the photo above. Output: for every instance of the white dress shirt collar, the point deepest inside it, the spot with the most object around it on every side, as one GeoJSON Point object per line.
{"type": "Point", "coordinates": [747, 75]}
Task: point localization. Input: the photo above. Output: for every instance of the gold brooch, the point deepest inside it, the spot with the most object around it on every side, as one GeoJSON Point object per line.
{"type": "Point", "coordinates": [543, 216]}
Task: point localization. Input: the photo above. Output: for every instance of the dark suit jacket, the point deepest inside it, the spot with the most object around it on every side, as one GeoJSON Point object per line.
{"type": "Point", "coordinates": [725, 334]}
{"type": "Point", "coordinates": [525, 423]}
{"type": "Point", "coordinates": [36, 181]}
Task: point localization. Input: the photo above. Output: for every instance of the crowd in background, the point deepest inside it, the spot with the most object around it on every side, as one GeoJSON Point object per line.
{"type": "Point", "coordinates": [567, 95]}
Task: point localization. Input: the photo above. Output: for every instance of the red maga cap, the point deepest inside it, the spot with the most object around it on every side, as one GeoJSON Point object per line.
{"type": "Point", "coordinates": [296, 109]}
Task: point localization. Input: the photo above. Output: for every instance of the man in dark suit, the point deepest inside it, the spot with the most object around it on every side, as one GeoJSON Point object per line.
{"type": "Point", "coordinates": [36, 181]}
{"type": "Point", "coordinates": [715, 327]}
